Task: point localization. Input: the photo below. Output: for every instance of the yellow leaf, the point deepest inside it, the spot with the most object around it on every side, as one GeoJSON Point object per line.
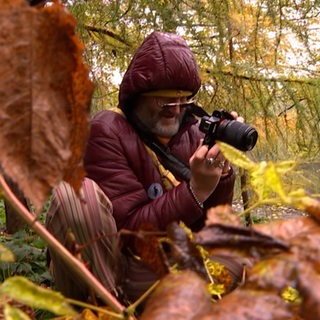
{"type": "Point", "coordinates": [13, 313]}
{"type": "Point", "coordinates": [88, 315]}
{"type": "Point", "coordinates": [235, 156]}
{"type": "Point", "coordinates": [6, 255]}
{"type": "Point", "coordinates": [24, 291]}
{"type": "Point", "coordinates": [266, 180]}
{"type": "Point", "coordinates": [285, 166]}
{"type": "Point", "coordinates": [291, 295]}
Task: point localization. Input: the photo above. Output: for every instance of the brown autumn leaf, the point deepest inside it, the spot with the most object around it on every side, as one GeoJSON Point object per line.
{"type": "Point", "coordinates": [308, 286]}
{"type": "Point", "coordinates": [312, 206]}
{"type": "Point", "coordinates": [149, 249]}
{"type": "Point", "coordinates": [182, 295]}
{"type": "Point", "coordinates": [275, 273]}
{"type": "Point", "coordinates": [298, 268]}
{"type": "Point", "coordinates": [302, 234]}
{"type": "Point", "coordinates": [184, 252]}
{"type": "Point", "coordinates": [227, 235]}
{"type": "Point", "coordinates": [223, 214]}
{"type": "Point", "coordinates": [287, 229]}
{"type": "Point", "coordinates": [250, 304]}
{"type": "Point", "coordinates": [45, 94]}
{"type": "Point", "coordinates": [272, 273]}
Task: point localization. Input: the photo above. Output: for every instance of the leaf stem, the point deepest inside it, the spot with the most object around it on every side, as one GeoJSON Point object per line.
{"type": "Point", "coordinates": [134, 305]}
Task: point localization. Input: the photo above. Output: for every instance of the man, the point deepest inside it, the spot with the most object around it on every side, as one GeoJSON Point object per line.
{"type": "Point", "coordinates": [148, 159]}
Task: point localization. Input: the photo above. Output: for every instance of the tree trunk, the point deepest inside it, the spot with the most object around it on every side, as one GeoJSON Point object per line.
{"type": "Point", "coordinates": [245, 195]}
{"type": "Point", "coordinates": [13, 222]}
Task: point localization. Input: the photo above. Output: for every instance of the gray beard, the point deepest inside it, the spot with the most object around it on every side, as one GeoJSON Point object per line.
{"type": "Point", "coordinates": [153, 125]}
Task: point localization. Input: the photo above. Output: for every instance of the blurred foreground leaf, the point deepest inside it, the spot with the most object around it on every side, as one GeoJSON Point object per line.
{"type": "Point", "coordinates": [24, 291]}
{"type": "Point", "coordinates": [267, 180]}
{"type": "Point", "coordinates": [13, 313]}
{"type": "Point", "coordinates": [45, 92]}
{"type": "Point", "coordinates": [6, 255]}
{"type": "Point", "coordinates": [182, 295]}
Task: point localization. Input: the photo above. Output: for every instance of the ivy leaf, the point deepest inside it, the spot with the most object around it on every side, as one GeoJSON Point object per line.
{"type": "Point", "coordinates": [45, 94]}
{"type": "Point", "coordinates": [24, 291]}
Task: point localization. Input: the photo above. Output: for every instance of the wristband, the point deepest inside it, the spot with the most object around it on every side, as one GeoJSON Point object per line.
{"type": "Point", "coordinates": [199, 203]}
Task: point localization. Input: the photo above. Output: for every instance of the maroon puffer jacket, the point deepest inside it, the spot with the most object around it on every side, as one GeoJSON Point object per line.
{"type": "Point", "coordinates": [117, 159]}
{"type": "Point", "coordinates": [163, 61]}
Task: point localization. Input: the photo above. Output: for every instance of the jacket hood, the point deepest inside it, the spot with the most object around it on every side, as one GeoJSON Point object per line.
{"type": "Point", "coordinates": [162, 62]}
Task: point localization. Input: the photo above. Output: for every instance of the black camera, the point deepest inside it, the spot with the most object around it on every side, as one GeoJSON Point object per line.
{"type": "Point", "coordinates": [223, 127]}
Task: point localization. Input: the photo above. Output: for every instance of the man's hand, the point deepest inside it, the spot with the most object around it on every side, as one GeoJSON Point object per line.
{"type": "Point", "coordinates": [206, 169]}
{"type": "Point", "coordinates": [207, 166]}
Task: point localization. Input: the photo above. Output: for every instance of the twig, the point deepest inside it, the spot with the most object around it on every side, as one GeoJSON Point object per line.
{"type": "Point", "coordinates": [134, 305]}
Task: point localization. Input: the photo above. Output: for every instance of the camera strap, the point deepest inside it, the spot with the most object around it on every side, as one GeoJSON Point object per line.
{"type": "Point", "coordinates": [170, 162]}
{"type": "Point", "coordinates": [179, 169]}
{"type": "Point", "coordinates": [168, 179]}
{"type": "Point", "coordinates": [198, 111]}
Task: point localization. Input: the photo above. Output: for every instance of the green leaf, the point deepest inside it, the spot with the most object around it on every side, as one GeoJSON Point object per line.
{"type": "Point", "coordinates": [13, 313]}
{"type": "Point", "coordinates": [24, 291]}
{"type": "Point", "coordinates": [235, 156]}
{"type": "Point", "coordinates": [6, 255]}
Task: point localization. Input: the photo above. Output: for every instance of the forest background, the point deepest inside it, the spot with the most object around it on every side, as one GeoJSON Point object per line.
{"type": "Point", "coordinates": [259, 58]}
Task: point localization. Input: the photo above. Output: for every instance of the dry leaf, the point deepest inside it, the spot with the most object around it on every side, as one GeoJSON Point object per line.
{"type": "Point", "coordinates": [308, 285]}
{"type": "Point", "coordinates": [45, 94]}
{"type": "Point", "coordinates": [149, 249]}
{"type": "Point", "coordinates": [178, 296]}
{"type": "Point", "coordinates": [223, 214]}
{"type": "Point", "coordinates": [249, 304]}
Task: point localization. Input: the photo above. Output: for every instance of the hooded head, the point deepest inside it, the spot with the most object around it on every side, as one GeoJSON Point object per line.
{"type": "Point", "coordinates": [164, 66]}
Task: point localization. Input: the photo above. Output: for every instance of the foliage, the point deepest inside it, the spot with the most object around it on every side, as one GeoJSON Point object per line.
{"type": "Point", "coordinates": [59, 110]}
{"type": "Point", "coordinates": [267, 180]}
{"type": "Point", "coordinates": [24, 291]}
{"type": "Point", "coordinates": [260, 57]}
{"type": "Point", "coordinates": [2, 212]}
{"type": "Point", "coordinates": [235, 72]}
{"type": "Point", "coordinates": [30, 257]}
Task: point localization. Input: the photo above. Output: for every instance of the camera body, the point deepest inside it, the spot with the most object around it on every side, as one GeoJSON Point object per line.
{"type": "Point", "coordinates": [223, 127]}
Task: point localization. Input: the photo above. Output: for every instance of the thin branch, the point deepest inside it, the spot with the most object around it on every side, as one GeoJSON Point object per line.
{"type": "Point", "coordinates": [309, 81]}
{"type": "Point", "coordinates": [107, 33]}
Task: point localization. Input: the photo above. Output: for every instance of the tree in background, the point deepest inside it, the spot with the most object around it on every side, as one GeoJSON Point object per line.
{"type": "Point", "coordinates": [259, 58]}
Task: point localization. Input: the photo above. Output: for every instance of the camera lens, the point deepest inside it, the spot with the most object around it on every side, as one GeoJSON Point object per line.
{"type": "Point", "coordinates": [240, 135]}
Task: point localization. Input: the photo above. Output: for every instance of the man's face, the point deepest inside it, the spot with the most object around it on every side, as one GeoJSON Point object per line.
{"type": "Point", "coordinates": [161, 115]}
